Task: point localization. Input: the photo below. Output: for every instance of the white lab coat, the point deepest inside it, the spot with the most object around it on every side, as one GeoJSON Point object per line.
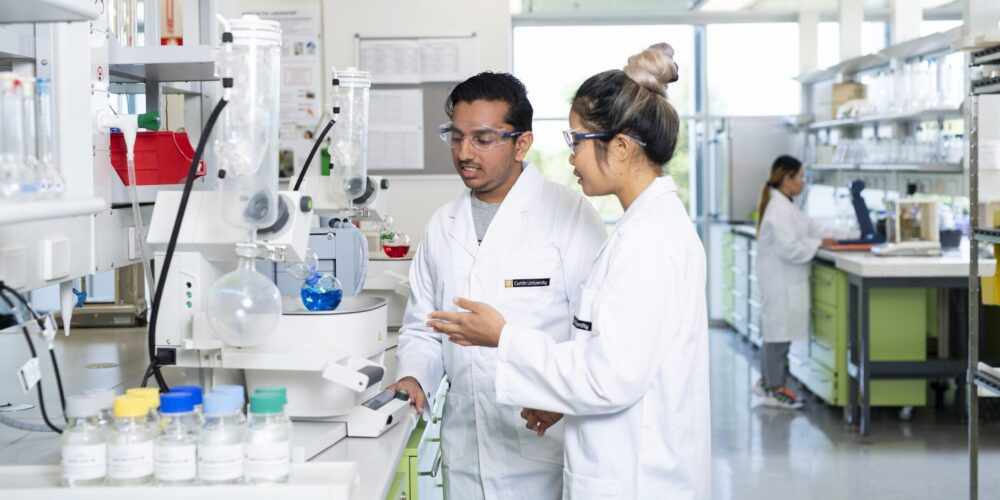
{"type": "Point", "coordinates": [634, 382]}
{"type": "Point", "coordinates": [786, 244]}
{"type": "Point", "coordinates": [542, 231]}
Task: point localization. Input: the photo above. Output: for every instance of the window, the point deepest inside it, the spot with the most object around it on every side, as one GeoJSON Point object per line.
{"type": "Point", "coordinates": [553, 61]}
{"type": "Point", "coordinates": [750, 69]}
{"type": "Point", "coordinates": [873, 39]}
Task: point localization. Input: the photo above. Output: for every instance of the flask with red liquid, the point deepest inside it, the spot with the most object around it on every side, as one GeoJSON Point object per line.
{"type": "Point", "coordinates": [395, 244]}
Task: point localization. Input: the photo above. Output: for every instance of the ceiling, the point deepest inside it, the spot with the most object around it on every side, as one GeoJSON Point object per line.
{"type": "Point", "coordinates": [680, 7]}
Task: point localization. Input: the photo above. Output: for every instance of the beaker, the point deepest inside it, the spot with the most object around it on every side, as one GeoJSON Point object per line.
{"type": "Point", "coordinates": [349, 141]}
{"type": "Point", "coordinates": [247, 144]}
{"type": "Point", "coordinates": [49, 175]}
{"type": "Point", "coordinates": [11, 136]}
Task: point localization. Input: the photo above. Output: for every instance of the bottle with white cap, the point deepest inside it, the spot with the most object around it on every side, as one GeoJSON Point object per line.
{"type": "Point", "coordinates": [106, 401]}
{"type": "Point", "coordinates": [84, 445]}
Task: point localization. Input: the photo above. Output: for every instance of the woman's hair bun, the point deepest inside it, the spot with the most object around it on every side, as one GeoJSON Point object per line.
{"type": "Point", "coordinates": [653, 68]}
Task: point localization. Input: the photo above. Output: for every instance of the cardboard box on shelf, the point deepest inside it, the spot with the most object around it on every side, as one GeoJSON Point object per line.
{"type": "Point", "coordinates": [828, 98]}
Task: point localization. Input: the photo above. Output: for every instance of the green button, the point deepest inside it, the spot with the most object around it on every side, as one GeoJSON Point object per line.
{"type": "Point", "coordinates": [189, 295]}
{"type": "Point", "coordinates": [189, 305]}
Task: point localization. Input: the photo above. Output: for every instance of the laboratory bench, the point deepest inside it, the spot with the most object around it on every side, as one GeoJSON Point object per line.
{"type": "Point", "coordinates": [880, 326]}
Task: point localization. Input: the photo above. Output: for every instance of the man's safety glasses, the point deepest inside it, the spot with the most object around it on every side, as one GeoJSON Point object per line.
{"type": "Point", "coordinates": [482, 138]}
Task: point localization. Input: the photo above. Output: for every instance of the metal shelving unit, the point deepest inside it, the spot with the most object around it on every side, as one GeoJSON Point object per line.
{"type": "Point", "coordinates": [930, 114]}
{"type": "Point", "coordinates": [978, 375]}
{"type": "Point", "coordinates": [47, 11]}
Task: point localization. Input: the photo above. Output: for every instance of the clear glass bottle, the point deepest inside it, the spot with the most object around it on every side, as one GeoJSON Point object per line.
{"type": "Point", "coordinates": [30, 182]}
{"type": "Point", "coordinates": [130, 443]}
{"type": "Point", "coordinates": [196, 394]}
{"type": "Point", "coordinates": [174, 450]}
{"type": "Point", "coordinates": [83, 443]}
{"type": "Point", "coordinates": [268, 444]}
{"type": "Point", "coordinates": [220, 440]}
{"type": "Point", "coordinates": [235, 391]}
{"type": "Point", "coordinates": [11, 137]}
{"type": "Point", "coordinates": [52, 179]}
{"type": "Point", "coordinates": [349, 137]}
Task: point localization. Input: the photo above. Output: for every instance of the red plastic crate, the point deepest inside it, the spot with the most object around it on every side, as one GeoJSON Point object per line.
{"type": "Point", "coordinates": [160, 158]}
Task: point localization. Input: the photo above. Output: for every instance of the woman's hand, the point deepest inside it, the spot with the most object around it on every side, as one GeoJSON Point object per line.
{"type": "Point", "coordinates": [540, 420]}
{"type": "Point", "coordinates": [480, 326]}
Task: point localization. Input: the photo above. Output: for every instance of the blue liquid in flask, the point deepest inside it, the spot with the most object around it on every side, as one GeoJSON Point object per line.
{"type": "Point", "coordinates": [322, 292]}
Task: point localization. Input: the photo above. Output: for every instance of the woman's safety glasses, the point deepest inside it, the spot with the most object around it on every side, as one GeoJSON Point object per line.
{"type": "Point", "coordinates": [483, 138]}
{"type": "Point", "coordinates": [573, 138]}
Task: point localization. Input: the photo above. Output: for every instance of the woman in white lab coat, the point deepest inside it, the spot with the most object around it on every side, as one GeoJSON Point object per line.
{"type": "Point", "coordinates": [634, 381]}
{"type": "Point", "coordinates": [787, 241]}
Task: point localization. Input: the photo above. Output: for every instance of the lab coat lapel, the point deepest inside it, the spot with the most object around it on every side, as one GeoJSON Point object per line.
{"type": "Point", "coordinates": [509, 218]}
{"type": "Point", "coordinates": [462, 230]}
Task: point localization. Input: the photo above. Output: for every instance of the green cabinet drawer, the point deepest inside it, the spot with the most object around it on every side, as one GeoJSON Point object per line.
{"type": "Point", "coordinates": [823, 354]}
{"type": "Point", "coordinates": [826, 324]}
{"type": "Point", "coordinates": [824, 287]}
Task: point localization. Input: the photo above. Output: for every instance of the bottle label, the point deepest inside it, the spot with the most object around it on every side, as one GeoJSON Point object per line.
{"type": "Point", "coordinates": [268, 460]}
{"type": "Point", "coordinates": [175, 463]}
{"type": "Point", "coordinates": [129, 461]}
{"type": "Point", "coordinates": [220, 463]}
{"type": "Point", "coordinates": [85, 462]}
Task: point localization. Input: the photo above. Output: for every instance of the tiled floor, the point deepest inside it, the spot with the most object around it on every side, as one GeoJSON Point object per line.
{"type": "Point", "coordinates": [772, 454]}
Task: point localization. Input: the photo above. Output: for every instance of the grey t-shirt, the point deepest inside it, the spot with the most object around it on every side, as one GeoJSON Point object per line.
{"type": "Point", "coordinates": [482, 215]}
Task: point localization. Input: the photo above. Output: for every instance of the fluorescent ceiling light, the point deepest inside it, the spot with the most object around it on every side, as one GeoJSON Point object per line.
{"type": "Point", "coordinates": [725, 5]}
{"type": "Point", "coordinates": [933, 4]}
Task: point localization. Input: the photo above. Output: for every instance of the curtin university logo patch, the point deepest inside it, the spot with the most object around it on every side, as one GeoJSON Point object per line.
{"type": "Point", "coordinates": [526, 283]}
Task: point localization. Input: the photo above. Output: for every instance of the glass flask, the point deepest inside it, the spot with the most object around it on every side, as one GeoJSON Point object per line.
{"type": "Point", "coordinates": [349, 137]}
{"type": "Point", "coordinates": [11, 136]}
{"type": "Point", "coordinates": [51, 177]}
{"type": "Point", "coordinates": [395, 244]}
{"type": "Point", "coordinates": [243, 306]}
{"type": "Point", "coordinates": [320, 291]}
{"type": "Point", "coordinates": [31, 178]}
{"type": "Point", "coordinates": [247, 144]}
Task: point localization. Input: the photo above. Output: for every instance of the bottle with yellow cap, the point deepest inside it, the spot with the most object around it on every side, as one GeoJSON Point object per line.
{"type": "Point", "coordinates": [130, 442]}
{"type": "Point", "coordinates": [152, 396]}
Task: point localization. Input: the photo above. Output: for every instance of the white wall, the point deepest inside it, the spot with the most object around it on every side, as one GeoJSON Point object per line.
{"type": "Point", "coordinates": [412, 198]}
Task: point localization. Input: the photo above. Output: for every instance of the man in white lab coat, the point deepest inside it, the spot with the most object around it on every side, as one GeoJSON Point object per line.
{"type": "Point", "coordinates": [519, 242]}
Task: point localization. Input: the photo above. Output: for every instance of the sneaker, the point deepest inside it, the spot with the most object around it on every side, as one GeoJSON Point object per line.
{"type": "Point", "coordinates": [782, 398]}
{"type": "Point", "coordinates": [758, 388]}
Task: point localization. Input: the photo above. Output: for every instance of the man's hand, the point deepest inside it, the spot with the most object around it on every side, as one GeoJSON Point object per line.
{"type": "Point", "coordinates": [480, 326]}
{"type": "Point", "coordinates": [540, 420]}
{"type": "Point", "coordinates": [410, 385]}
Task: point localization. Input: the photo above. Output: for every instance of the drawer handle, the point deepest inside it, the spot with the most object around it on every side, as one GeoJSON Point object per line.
{"type": "Point", "coordinates": [821, 314]}
{"type": "Point", "coordinates": [736, 270]}
{"type": "Point", "coordinates": [434, 468]}
{"type": "Point", "coordinates": [753, 328]}
{"type": "Point", "coordinates": [435, 420]}
{"type": "Point", "coordinates": [817, 281]}
{"type": "Point", "coordinates": [822, 343]}
{"type": "Point", "coordinates": [754, 304]}
{"type": "Point", "coordinates": [434, 440]}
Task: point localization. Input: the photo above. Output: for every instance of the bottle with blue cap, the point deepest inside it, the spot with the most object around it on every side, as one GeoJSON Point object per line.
{"type": "Point", "coordinates": [174, 451]}
{"type": "Point", "coordinates": [267, 445]}
{"type": "Point", "coordinates": [220, 440]}
{"type": "Point", "coordinates": [196, 394]}
{"type": "Point", "coordinates": [84, 446]}
{"type": "Point", "coordinates": [236, 391]}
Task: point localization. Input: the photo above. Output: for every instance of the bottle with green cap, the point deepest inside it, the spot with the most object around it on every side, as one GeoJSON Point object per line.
{"type": "Point", "coordinates": [283, 396]}
{"type": "Point", "coordinates": [267, 445]}
{"type": "Point", "coordinates": [84, 447]}
{"type": "Point", "coordinates": [130, 442]}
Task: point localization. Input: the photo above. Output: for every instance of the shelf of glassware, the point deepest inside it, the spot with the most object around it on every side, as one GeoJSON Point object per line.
{"type": "Point", "coordinates": [16, 212]}
{"type": "Point", "coordinates": [987, 235]}
{"type": "Point", "coordinates": [891, 167]}
{"type": "Point", "coordinates": [919, 116]}
{"type": "Point", "coordinates": [47, 11]}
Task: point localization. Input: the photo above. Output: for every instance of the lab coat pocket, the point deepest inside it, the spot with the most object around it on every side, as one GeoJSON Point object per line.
{"type": "Point", "coordinates": [578, 486]}
{"type": "Point", "coordinates": [455, 427]}
{"type": "Point", "coordinates": [531, 280]}
{"type": "Point", "coordinates": [548, 448]}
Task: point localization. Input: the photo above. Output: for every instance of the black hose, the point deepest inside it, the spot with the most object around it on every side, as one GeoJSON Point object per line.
{"type": "Point", "coordinates": [52, 352]}
{"type": "Point", "coordinates": [305, 166]}
{"type": "Point", "coordinates": [172, 245]}
{"type": "Point", "coordinates": [31, 348]}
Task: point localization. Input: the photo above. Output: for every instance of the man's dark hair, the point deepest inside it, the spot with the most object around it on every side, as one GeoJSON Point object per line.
{"type": "Point", "coordinates": [490, 86]}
